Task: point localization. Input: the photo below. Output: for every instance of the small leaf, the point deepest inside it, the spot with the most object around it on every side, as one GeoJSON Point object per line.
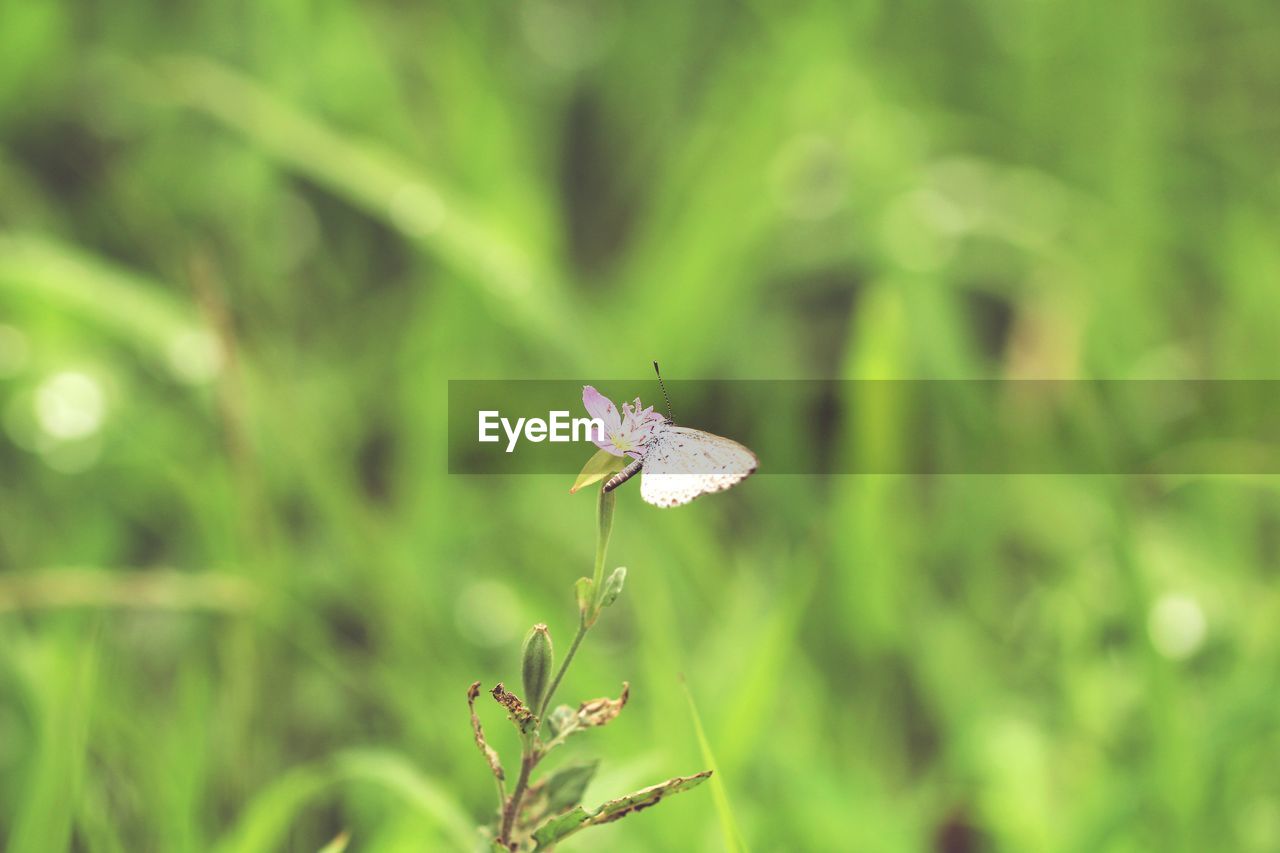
{"type": "Point", "coordinates": [613, 586]}
{"type": "Point", "coordinates": [560, 719]}
{"type": "Point", "coordinates": [487, 751]}
{"type": "Point", "coordinates": [566, 785]}
{"type": "Point", "coordinates": [599, 466]}
{"type": "Point", "coordinates": [560, 827]}
{"type": "Point", "coordinates": [565, 722]}
{"type": "Point", "coordinates": [556, 829]}
{"type": "Point", "coordinates": [556, 792]}
{"type": "Point", "coordinates": [583, 590]}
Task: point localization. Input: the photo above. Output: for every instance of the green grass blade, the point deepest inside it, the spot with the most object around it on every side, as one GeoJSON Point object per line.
{"type": "Point", "coordinates": [729, 830]}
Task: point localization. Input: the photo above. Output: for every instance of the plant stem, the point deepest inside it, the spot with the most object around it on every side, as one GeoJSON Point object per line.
{"type": "Point", "coordinates": [564, 666]}
{"type": "Point", "coordinates": [528, 758]}
{"type": "Point", "coordinates": [604, 515]}
{"type": "Point", "coordinates": [604, 511]}
{"type": "Point", "coordinates": [531, 754]}
{"type": "Point", "coordinates": [502, 793]}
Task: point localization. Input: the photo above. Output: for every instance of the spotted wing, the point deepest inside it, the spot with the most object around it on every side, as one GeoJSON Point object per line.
{"type": "Point", "coordinates": [682, 464]}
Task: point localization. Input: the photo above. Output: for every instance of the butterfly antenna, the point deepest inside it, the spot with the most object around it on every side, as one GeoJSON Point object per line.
{"type": "Point", "coordinates": [665, 396]}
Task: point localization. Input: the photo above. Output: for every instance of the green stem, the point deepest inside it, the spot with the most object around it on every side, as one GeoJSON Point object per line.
{"type": "Point", "coordinates": [604, 512]}
{"type": "Point", "coordinates": [502, 793]}
{"type": "Point", "coordinates": [564, 666]}
{"type": "Point", "coordinates": [530, 753]}
{"type": "Point", "coordinates": [604, 515]}
{"type": "Point", "coordinates": [528, 758]}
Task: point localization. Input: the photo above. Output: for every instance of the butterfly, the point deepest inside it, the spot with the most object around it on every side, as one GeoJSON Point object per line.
{"type": "Point", "coordinates": [681, 463]}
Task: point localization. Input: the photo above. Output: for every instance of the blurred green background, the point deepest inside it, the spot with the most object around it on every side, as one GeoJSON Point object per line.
{"type": "Point", "coordinates": [243, 246]}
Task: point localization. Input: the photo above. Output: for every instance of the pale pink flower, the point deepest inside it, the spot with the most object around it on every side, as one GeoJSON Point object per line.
{"type": "Point", "coordinates": [625, 433]}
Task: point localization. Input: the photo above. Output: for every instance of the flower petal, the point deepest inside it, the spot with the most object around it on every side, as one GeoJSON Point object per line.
{"type": "Point", "coordinates": [600, 406]}
{"type": "Point", "coordinates": [607, 446]}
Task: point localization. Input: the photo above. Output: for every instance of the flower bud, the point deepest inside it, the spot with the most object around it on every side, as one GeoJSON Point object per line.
{"type": "Point", "coordinates": [536, 665]}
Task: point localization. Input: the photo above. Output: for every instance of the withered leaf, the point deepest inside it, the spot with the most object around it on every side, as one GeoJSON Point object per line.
{"type": "Point", "coordinates": [558, 828]}
{"type": "Point", "coordinates": [516, 710]}
{"type": "Point", "coordinates": [597, 712]}
{"type": "Point", "coordinates": [490, 755]}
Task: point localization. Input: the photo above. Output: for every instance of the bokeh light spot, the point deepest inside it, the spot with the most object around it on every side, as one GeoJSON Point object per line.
{"type": "Point", "coordinates": [70, 405]}
{"type": "Point", "coordinates": [1177, 626]}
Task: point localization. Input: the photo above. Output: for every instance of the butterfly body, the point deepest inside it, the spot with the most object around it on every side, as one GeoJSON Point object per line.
{"type": "Point", "coordinates": [680, 464]}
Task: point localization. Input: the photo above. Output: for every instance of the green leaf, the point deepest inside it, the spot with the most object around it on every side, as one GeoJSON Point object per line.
{"type": "Point", "coordinates": [560, 719]}
{"type": "Point", "coordinates": [613, 586]}
{"type": "Point", "coordinates": [566, 785]}
{"type": "Point", "coordinates": [651, 796]}
{"type": "Point", "coordinates": [565, 722]}
{"type": "Point", "coordinates": [558, 828]}
{"type": "Point", "coordinates": [557, 792]}
{"type": "Point", "coordinates": [733, 841]}
{"type": "Point", "coordinates": [375, 179]}
{"type": "Point", "coordinates": [599, 466]}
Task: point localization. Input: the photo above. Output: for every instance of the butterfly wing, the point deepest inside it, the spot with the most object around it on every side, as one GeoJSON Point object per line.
{"type": "Point", "coordinates": [682, 464]}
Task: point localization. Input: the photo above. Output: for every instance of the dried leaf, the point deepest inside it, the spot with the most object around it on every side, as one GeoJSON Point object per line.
{"type": "Point", "coordinates": [599, 466]}
{"type": "Point", "coordinates": [597, 712]}
{"type": "Point", "coordinates": [564, 721]}
{"type": "Point", "coordinates": [490, 755]}
{"type": "Point", "coordinates": [516, 711]}
{"type": "Point", "coordinates": [558, 828]}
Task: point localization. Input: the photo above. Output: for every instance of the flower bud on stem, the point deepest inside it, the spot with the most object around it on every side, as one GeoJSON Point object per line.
{"type": "Point", "coordinates": [538, 659]}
